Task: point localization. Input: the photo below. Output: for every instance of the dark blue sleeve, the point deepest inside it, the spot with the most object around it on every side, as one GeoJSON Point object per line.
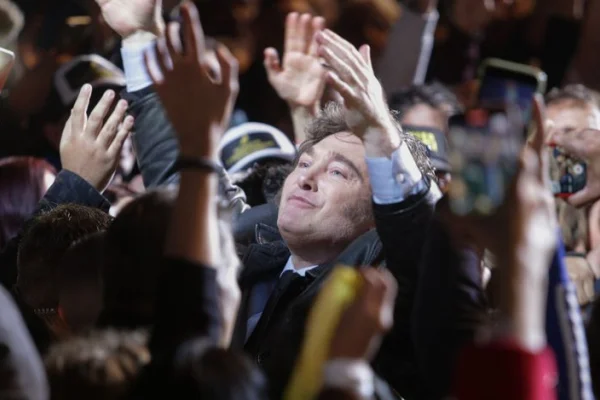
{"type": "Point", "coordinates": [565, 333]}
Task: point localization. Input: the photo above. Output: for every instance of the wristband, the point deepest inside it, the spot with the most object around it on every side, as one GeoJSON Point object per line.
{"type": "Point", "coordinates": [199, 163]}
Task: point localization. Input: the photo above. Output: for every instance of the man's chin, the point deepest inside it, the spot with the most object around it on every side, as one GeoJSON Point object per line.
{"type": "Point", "coordinates": [293, 223]}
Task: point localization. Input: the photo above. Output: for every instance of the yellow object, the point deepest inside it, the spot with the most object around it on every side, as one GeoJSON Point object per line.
{"type": "Point", "coordinates": [333, 299]}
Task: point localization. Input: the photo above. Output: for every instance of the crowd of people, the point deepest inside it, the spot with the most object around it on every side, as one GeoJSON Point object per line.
{"type": "Point", "coordinates": [168, 232]}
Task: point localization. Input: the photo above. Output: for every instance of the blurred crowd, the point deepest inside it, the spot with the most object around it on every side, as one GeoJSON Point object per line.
{"type": "Point", "coordinates": [252, 199]}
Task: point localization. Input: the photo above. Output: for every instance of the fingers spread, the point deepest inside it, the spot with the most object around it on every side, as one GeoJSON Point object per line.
{"type": "Point", "coordinates": [100, 111]}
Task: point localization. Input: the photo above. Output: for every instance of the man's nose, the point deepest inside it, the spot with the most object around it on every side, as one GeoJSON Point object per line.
{"type": "Point", "coordinates": [308, 181]}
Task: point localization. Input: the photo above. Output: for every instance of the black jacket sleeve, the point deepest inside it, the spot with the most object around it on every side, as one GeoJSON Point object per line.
{"type": "Point", "coordinates": [187, 307]}
{"type": "Point", "coordinates": [154, 138]}
{"type": "Point", "coordinates": [157, 148]}
{"type": "Point", "coordinates": [67, 188]}
{"type": "Point", "coordinates": [402, 229]}
{"type": "Point", "coordinates": [449, 308]}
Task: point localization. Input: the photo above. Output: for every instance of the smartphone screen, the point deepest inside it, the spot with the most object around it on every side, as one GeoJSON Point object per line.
{"type": "Point", "coordinates": [501, 86]}
{"type": "Point", "coordinates": [484, 156]}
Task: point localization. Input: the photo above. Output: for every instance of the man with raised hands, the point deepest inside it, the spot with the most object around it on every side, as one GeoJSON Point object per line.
{"type": "Point", "coordinates": [361, 192]}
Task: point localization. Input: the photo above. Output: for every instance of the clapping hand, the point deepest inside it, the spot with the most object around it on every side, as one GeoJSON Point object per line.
{"type": "Point", "coordinates": [352, 76]}
{"type": "Point", "coordinates": [90, 147]}
{"type": "Point", "coordinates": [300, 80]}
{"type": "Point", "coordinates": [197, 100]}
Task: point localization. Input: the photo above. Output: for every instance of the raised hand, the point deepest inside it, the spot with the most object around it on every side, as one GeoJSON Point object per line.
{"type": "Point", "coordinates": [300, 80]}
{"type": "Point", "coordinates": [197, 100]}
{"type": "Point", "coordinates": [127, 17]}
{"type": "Point", "coordinates": [369, 316]}
{"type": "Point", "coordinates": [353, 78]}
{"type": "Point", "coordinates": [585, 145]}
{"type": "Point", "coordinates": [90, 147]}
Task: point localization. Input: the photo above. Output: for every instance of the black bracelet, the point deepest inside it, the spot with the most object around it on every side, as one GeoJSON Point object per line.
{"type": "Point", "coordinates": [198, 163]}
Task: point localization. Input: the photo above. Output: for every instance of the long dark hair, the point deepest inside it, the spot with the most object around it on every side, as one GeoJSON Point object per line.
{"type": "Point", "coordinates": [22, 185]}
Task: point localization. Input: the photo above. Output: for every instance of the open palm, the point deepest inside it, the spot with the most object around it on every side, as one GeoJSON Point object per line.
{"type": "Point", "coordinates": [128, 16]}
{"type": "Point", "coordinates": [300, 80]}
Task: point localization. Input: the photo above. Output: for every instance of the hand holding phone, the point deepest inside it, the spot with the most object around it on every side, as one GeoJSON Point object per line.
{"type": "Point", "coordinates": [485, 146]}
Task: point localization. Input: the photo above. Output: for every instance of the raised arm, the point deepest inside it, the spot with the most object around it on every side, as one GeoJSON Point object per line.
{"type": "Point", "coordinates": [194, 259]}
{"type": "Point", "coordinates": [523, 237]}
{"type": "Point", "coordinates": [140, 24]}
{"type": "Point", "coordinates": [403, 195]}
{"type": "Point", "coordinates": [89, 150]}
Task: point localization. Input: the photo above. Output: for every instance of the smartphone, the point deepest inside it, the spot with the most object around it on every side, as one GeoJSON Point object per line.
{"type": "Point", "coordinates": [484, 157]}
{"type": "Point", "coordinates": [7, 62]}
{"type": "Point", "coordinates": [503, 82]}
{"type": "Point", "coordinates": [568, 174]}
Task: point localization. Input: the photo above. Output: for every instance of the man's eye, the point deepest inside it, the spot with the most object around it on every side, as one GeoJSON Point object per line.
{"type": "Point", "coordinates": [336, 172]}
{"type": "Point", "coordinates": [303, 164]}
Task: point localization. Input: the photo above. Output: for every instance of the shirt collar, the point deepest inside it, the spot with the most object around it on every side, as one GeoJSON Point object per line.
{"type": "Point", "coordinates": [289, 266]}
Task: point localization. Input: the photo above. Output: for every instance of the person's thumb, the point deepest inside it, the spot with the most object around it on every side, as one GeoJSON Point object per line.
{"type": "Point", "coordinates": [272, 64]}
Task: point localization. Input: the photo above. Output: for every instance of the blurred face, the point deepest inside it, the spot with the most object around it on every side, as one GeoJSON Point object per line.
{"type": "Point", "coordinates": [570, 115]}
{"type": "Point", "coordinates": [327, 197]}
{"type": "Point", "coordinates": [424, 115]}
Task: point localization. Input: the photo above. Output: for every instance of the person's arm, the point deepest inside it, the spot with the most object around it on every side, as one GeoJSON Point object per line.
{"type": "Point", "coordinates": [522, 236]}
{"type": "Point", "coordinates": [155, 140]}
{"type": "Point", "coordinates": [189, 304]}
{"type": "Point", "coordinates": [89, 152]}
{"type": "Point", "coordinates": [403, 197]}
{"type": "Point", "coordinates": [517, 374]}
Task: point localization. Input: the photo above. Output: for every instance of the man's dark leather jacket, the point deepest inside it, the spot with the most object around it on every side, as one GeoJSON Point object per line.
{"type": "Point", "coordinates": [396, 243]}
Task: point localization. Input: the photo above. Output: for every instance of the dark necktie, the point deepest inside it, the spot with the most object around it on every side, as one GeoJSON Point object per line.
{"type": "Point", "coordinates": [289, 285]}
